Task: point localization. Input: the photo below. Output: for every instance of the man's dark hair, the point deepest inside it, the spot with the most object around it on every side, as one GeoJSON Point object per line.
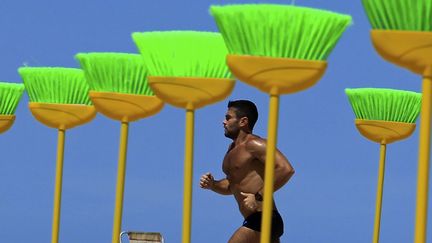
{"type": "Point", "coordinates": [245, 108]}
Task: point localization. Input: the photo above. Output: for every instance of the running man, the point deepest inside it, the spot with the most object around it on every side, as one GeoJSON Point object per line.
{"type": "Point", "coordinates": [243, 165]}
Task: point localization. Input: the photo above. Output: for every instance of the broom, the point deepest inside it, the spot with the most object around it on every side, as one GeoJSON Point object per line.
{"type": "Point", "coordinates": [278, 49]}
{"type": "Point", "coordinates": [58, 99]}
{"type": "Point", "coordinates": [120, 91]}
{"type": "Point", "coordinates": [384, 116]}
{"type": "Point", "coordinates": [402, 35]}
{"type": "Point", "coordinates": [187, 70]}
{"type": "Point", "coordinates": [10, 95]}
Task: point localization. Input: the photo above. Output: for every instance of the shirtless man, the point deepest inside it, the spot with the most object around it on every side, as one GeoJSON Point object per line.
{"type": "Point", "coordinates": [243, 165]}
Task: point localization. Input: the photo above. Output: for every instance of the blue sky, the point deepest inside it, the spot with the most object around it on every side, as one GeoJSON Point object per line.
{"type": "Point", "coordinates": [330, 199]}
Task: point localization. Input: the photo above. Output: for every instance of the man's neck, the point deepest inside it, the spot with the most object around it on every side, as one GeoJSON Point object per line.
{"type": "Point", "coordinates": [242, 137]}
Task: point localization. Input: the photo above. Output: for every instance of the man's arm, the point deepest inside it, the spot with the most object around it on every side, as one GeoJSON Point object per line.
{"type": "Point", "coordinates": [283, 169]}
{"type": "Point", "coordinates": [208, 182]}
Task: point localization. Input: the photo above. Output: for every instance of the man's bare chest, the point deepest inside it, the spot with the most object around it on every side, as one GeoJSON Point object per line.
{"type": "Point", "coordinates": [237, 159]}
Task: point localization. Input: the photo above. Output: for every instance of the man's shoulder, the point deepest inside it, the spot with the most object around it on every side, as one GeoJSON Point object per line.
{"type": "Point", "coordinates": [255, 142]}
{"type": "Point", "coordinates": [255, 138]}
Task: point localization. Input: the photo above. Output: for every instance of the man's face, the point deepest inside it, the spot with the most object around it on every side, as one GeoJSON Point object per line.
{"type": "Point", "coordinates": [231, 124]}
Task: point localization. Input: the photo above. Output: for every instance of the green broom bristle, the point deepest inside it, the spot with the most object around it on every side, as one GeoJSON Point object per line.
{"type": "Point", "coordinates": [385, 104]}
{"type": "Point", "coordinates": [279, 30]}
{"type": "Point", "coordinates": [55, 85]}
{"type": "Point", "coordinates": [115, 72]}
{"type": "Point", "coordinates": [408, 15]}
{"type": "Point", "coordinates": [10, 95]}
{"type": "Point", "coordinates": [183, 53]}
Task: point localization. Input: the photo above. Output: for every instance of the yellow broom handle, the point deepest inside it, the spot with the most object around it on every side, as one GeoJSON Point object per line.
{"type": "Point", "coordinates": [121, 171]}
{"type": "Point", "coordinates": [423, 167]}
{"type": "Point", "coordinates": [188, 172]}
{"type": "Point", "coordinates": [58, 185]}
{"type": "Point", "coordinates": [379, 195]}
{"type": "Point", "coordinates": [269, 169]}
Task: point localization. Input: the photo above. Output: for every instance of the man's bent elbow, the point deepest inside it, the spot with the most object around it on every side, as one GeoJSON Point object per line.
{"type": "Point", "coordinates": [289, 172]}
{"type": "Point", "coordinates": [292, 172]}
{"type": "Point", "coordinates": [285, 172]}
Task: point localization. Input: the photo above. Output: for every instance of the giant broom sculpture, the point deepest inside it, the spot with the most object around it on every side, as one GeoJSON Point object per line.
{"type": "Point", "coordinates": [278, 49]}
{"type": "Point", "coordinates": [384, 116]}
{"type": "Point", "coordinates": [187, 70]}
{"type": "Point", "coordinates": [119, 90]}
{"type": "Point", "coordinates": [58, 99]}
{"type": "Point", "coordinates": [10, 95]}
{"type": "Point", "coordinates": [402, 34]}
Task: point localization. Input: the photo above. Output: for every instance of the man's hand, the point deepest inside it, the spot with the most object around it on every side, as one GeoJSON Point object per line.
{"type": "Point", "coordinates": [250, 203]}
{"type": "Point", "coordinates": [207, 181]}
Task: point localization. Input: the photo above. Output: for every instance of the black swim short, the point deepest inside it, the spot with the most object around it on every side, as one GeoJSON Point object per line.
{"type": "Point", "coordinates": [253, 222]}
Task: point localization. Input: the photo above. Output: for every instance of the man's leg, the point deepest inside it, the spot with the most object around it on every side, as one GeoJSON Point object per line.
{"type": "Point", "coordinates": [245, 235]}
